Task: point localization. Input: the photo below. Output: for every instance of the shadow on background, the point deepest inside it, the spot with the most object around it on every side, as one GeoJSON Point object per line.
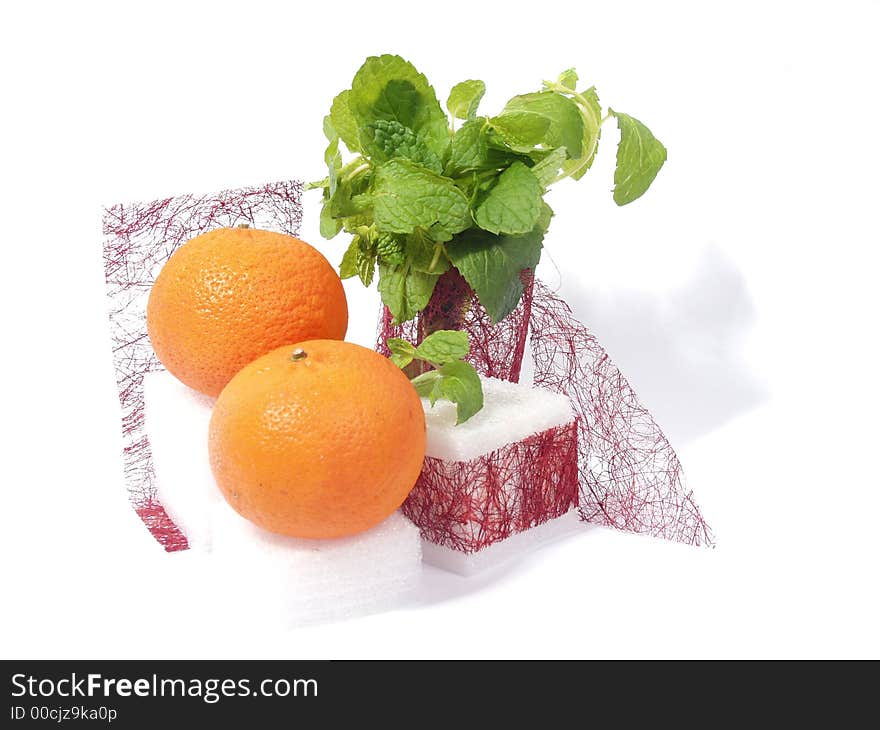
{"type": "Point", "coordinates": [681, 350]}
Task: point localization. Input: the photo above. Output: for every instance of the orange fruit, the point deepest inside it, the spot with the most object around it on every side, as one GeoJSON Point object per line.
{"type": "Point", "coordinates": [232, 294]}
{"type": "Point", "coordinates": [319, 439]}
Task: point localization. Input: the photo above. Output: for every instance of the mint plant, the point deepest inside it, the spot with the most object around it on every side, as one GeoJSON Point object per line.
{"type": "Point", "coordinates": [450, 377]}
{"type": "Point", "coordinates": [424, 192]}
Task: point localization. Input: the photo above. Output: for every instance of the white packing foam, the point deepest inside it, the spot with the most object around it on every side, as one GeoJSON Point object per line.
{"type": "Point", "coordinates": [499, 553]}
{"type": "Point", "coordinates": [511, 412]}
{"type": "Point", "coordinates": [177, 426]}
{"type": "Point", "coordinates": [306, 581]}
{"type": "Point", "coordinates": [298, 581]}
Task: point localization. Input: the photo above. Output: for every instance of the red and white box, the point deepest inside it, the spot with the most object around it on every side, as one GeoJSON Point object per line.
{"type": "Point", "coordinates": [498, 484]}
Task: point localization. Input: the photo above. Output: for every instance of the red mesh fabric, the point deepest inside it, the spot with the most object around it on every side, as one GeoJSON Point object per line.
{"type": "Point", "coordinates": [496, 352]}
{"type": "Point", "coordinates": [630, 477]}
{"type": "Point", "coordinates": [138, 239]}
{"type": "Point", "coordinates": [468, 505]}
{"type": "Point", "coordinates": [161, 526]}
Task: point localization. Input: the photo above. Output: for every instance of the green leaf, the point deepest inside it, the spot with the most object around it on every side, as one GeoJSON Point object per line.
{"type": "Point", "coordinates": [568, 79]}
{"type": "Point", "coordinates": [545, 217]}
{"type": "Point", "coordinates": [329, 225]}
{"type": "Point", "coordinates": [425, 254]}
{"type": "Point", "coordinates": [465, 98]}
{"type": "Point", "coordinates": [384, 140]}
{"type": "Point", "coordinates": [405, 292]}
{"type": "Point", "coordinates": [348, 267]}
{"type": "Point", "coordinates": [443, 346]}
{"type": "Point", "coordinates": [402, 352]}
{"type": "Point", "coordinates": [366, 265]}
{"type": "Point", "coordinates": [390, 88]}
{"type": "Point", "coordinates": [346, 189]}
{"type": "Point", "coordinates": [514, 204]}
{"type": "Point", "coordinates": [521, 130]}
{"type": "Point", "coordinates": [427, 385]}
{"type": "Point", "coordinates": [492, 266]}
{"type": "Point", "coordinates": [640, 156]}
{"type": "Point", "coordinates": [406, 196]}
{"type": "Point", "coordinates": [565, 127]}
{"type": "Point", "coordinates": [460, 383]}
{"type": "Point", "coordinates": [360, 258]}
{"type": "Point", "coordinates": [351, 223]}
{"type": "Point", "coordinates": [390, 249]}
{"type": "Point", "coordinates": [344, 122]}
{"type": "Point", "coordinates": [469, 149]}
{"type": "Point", "coordinates": [591, 113]}
{"type": "Point", "coordinates": [547, 169]}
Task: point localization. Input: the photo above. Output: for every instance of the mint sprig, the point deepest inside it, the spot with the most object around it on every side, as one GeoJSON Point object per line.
{"type": "Point", "coordinates": [451, 378]}
{"type": "Point", "coordinates": [424, 191]}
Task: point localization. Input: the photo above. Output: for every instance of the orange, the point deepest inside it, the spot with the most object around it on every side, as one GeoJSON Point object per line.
{"type": "Point", "coordinates": [232, 294]}
{"type": "Point", "coordinates": [319, 439]}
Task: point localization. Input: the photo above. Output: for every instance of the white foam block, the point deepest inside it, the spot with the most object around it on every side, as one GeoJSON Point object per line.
{"type": "Point", "coordinates": [500, 553]}
{"type": "Point", "coordinates": [177, 420]}
{"type": "Point", "coordinates": [290, 580]}
{"type": "Point", "coordinates": [307, 581]}
{"type": "Point", "coordinates": [511, 412]}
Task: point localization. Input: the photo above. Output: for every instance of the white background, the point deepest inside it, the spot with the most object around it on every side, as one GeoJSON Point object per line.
{"type": "Point", "coordinates": [739, 296]}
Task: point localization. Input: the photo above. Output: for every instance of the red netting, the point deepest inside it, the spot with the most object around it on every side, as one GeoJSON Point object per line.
{"type": "Point", "coordinates": [138, 239]}
{"type": "Point", "coordinates": [630, 477]}
{"type": "Point", "coordinates": [496, 352]}
{"type": "Point", "coordinates": [161, 525]}
{"type": "Point", "coordinates": [468, 505]}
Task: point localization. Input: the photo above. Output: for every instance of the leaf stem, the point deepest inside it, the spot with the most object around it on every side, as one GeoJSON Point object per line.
{"type": "Point", "coordinates": [360, 168]}
{"type": "Point", "coordinates": [438, 249]}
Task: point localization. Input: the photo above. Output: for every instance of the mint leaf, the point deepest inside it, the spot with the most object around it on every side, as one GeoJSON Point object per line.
{"type": "Point", "coordinates": [443, 346]}
{"type": "Point", "coordinates": [514, 204]}
{"type": "Point", "coordinates": [521, 130]}
{"type": "Point", "coordinates": [402, 352]}
{"type": "Point", "coordinates": [405, 292]}
{"type": "Point", "coordinates": [406, 196]}
{"type": "Point", "coordinates": [346, 188]}
{"type": "Point", "coordinates": [425, 254]}
{"type": "Point", "coordinates": [348, 266]}
{"type": "Point", "coordinates": [390, 88]}
{"type": "Point", "coordinates": [492, 266]}
{"type": "Point", "coordinates": [468, 150]}
{"type": "Point", "coordinates": [565, 127]}
{"type": "Point", "coordinates": [568, 79]}
{"type": "Point", "coordinates": [427, 385]}
{"type": "Point", "coordinates": [384, 140]}
{"type": "Point", "coordinates": [460, 383]}
{"type": "Point", "coordinates": [329, 226]}
{"type": "Point", "coordinates": [465, 98]}
{"type": "Point", "coordinates": [547, 169]}
{"type": "Point", "coordinates": [640, 156]}
{"type": "Point", "coordinates": [544, 218]}
{"type": "Point", "coordinates": [343, 121]}
{"type": "Point", "coordinates": [454, 379]}
{"type": "Point", "coordinates": [591, 114]}
{"type": "Point", "coordinates": [390, 249]}
{"type": "Point", "coordinates": [359, 259]}
{"type": "Point", "coordinates": [366, 264]}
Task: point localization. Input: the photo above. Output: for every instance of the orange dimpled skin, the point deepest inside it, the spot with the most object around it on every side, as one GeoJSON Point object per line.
{"type": "Point", "coordinates": [232, 294]}
{"type": "Point", "coordinates": [320, 439]}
